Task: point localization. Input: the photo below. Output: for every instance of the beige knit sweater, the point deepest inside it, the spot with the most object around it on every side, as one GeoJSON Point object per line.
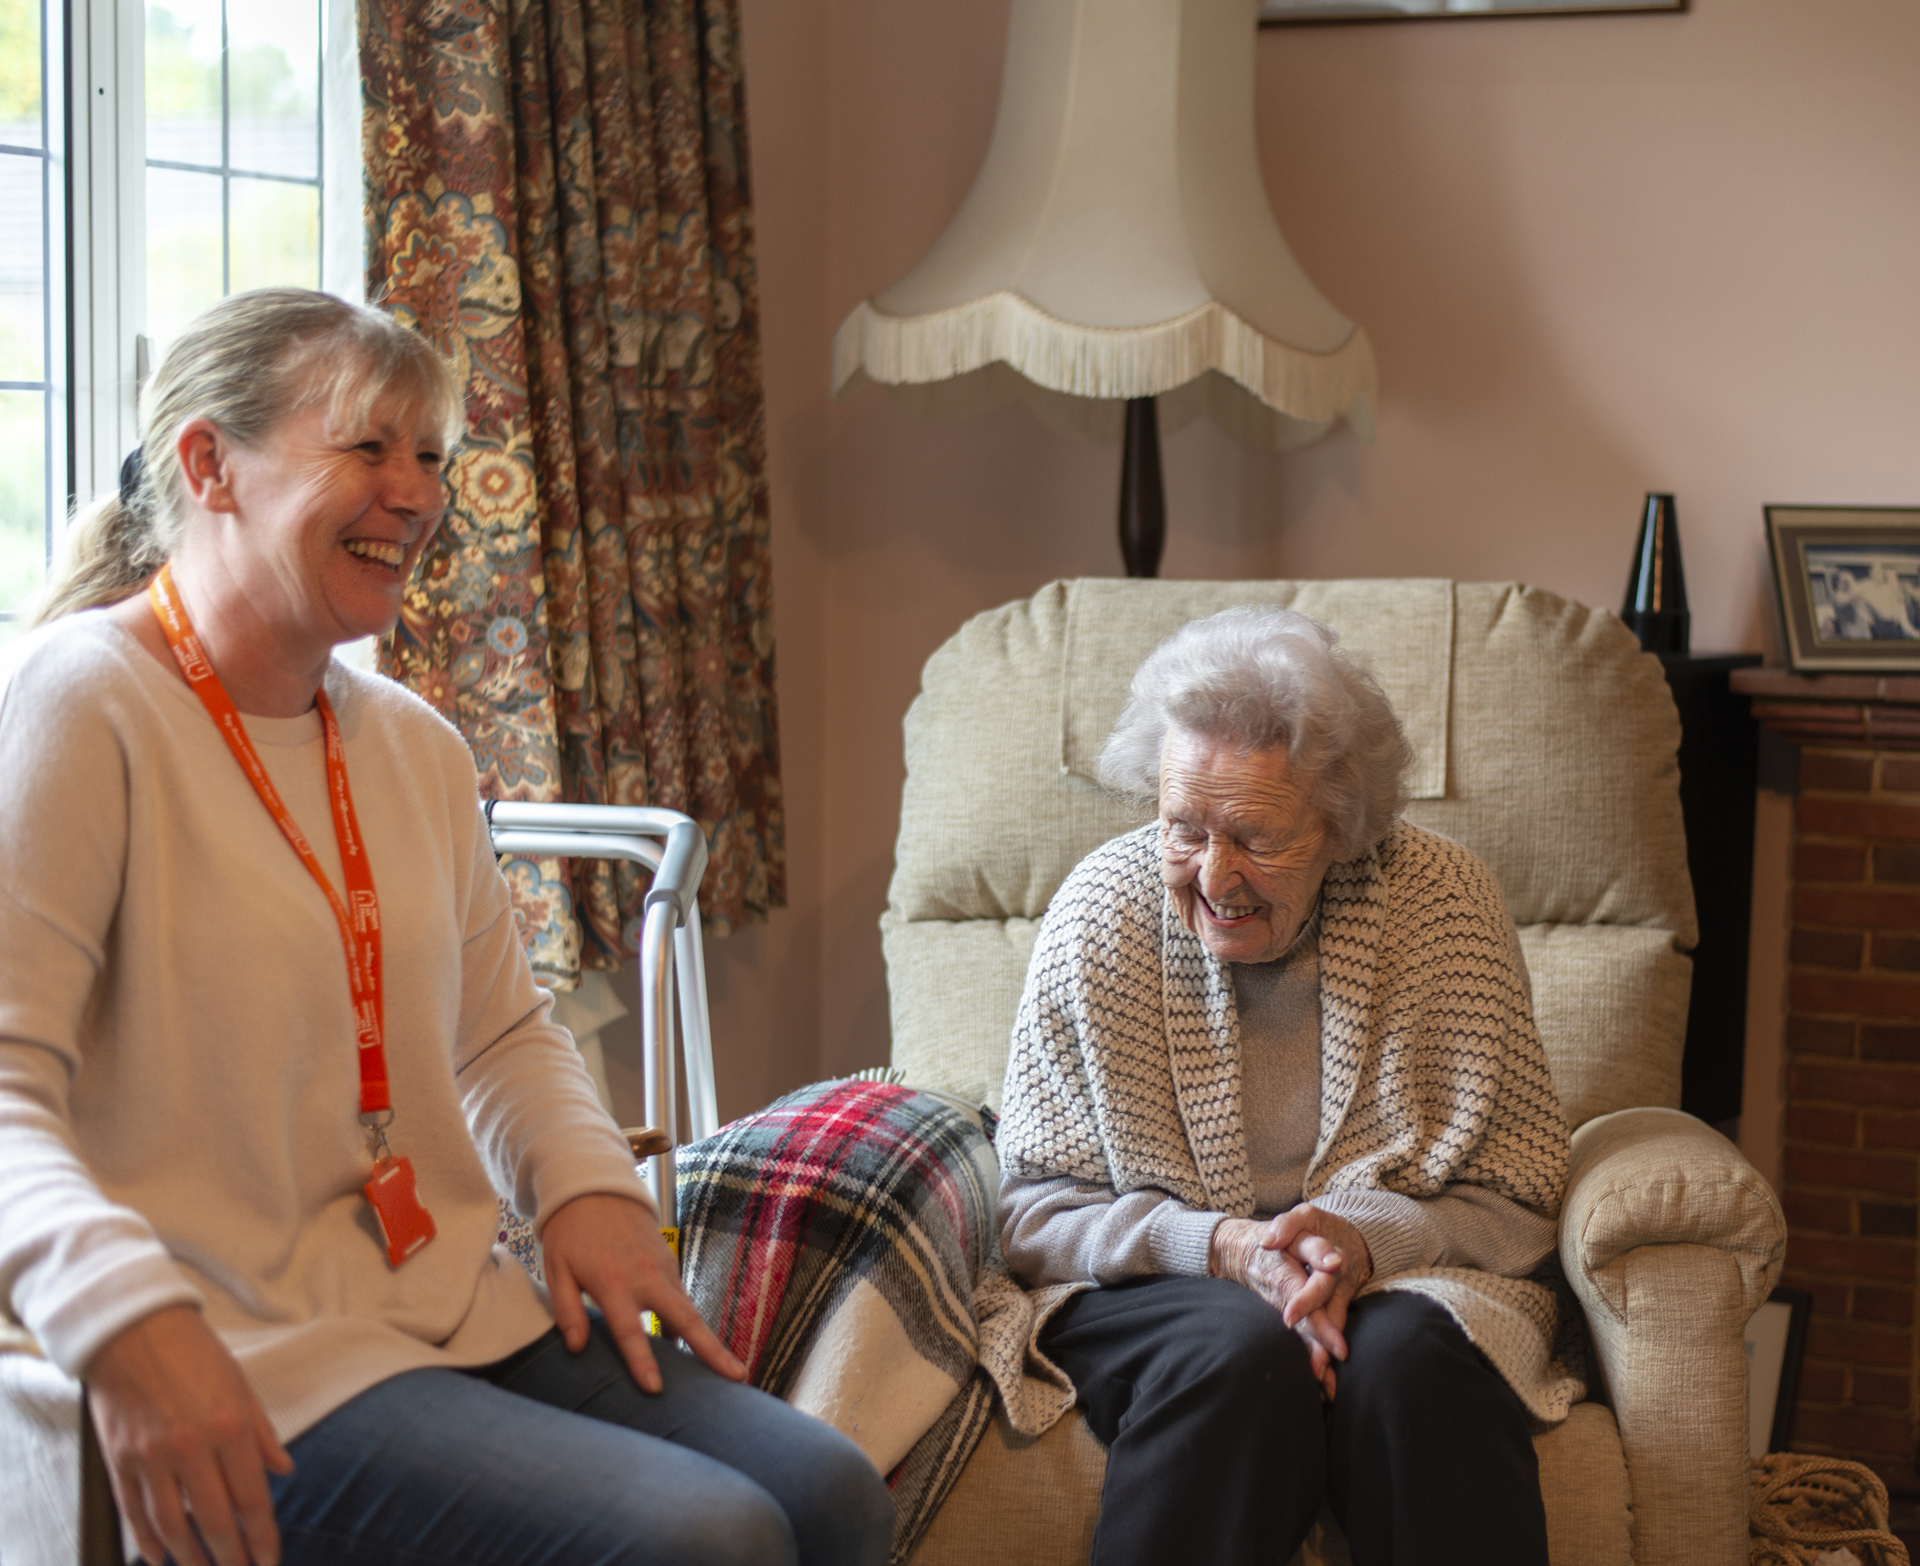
{"type": "Point", "coordinates": [178, 1084]}
{"type": "Point", "coordinates": [1125, 1066]}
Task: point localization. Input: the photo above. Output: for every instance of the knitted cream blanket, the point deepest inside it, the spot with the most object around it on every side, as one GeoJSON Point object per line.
{"type": "Point", "coordinates": [1125, 1071]}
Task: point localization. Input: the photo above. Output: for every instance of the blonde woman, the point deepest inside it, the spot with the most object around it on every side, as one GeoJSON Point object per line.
{"type": "Point", "coordinates": [269, 1045]}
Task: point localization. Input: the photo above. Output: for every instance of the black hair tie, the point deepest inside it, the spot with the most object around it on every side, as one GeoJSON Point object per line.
{"type": "Point", "coordinates": [132, 471]}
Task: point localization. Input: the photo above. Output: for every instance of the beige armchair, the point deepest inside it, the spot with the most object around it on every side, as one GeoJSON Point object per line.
{"type": "Point", "coordinates": [1545, 740]}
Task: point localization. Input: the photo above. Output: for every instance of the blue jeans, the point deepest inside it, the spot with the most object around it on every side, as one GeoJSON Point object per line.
{"type": "Point", "coordinates": [550, 1457]}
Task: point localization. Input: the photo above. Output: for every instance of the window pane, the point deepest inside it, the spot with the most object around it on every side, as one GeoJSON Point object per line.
{"type": "Point", "coordinates": [273, 81]}
{"type": "Point", "coordinates": [23, 496]}
{"type": "Point", "coordinates": [22, 348]}
{"type": "Point", "coordinates": [183, 250]}
{"type": "Point", "coordinates": [183, 81]}
{"type": "Point", "coordinates": [20, 72]}
{"type": "Point", "coordinates": [276, 234]}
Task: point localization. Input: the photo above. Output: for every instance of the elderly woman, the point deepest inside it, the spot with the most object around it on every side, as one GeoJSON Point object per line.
{"type": "Point", "coordinates": [269, 1044]}
{"type": "Point", "coordinates": [1280, 1143]}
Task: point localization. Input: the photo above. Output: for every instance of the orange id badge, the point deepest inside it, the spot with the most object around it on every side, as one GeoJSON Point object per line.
{"type": "Point", "coordinates": [404, 1224]}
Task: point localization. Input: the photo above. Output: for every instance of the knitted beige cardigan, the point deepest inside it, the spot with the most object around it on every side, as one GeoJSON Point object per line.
{"type": "Point", "coordinates": [1125, 1068]}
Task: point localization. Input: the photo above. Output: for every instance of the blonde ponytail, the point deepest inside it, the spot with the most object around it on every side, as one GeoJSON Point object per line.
{"type": "Point", "coordinates": [109, 553]}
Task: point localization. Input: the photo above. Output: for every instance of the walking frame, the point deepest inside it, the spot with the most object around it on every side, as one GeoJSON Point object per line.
{"type": "Point", "coordinates": [675, 850]}
{"type": "Point", "coordinates": [672, 964]}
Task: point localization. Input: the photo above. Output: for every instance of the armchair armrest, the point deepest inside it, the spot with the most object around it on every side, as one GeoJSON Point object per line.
{"type": "Point", "coordinates": [1659, 1177]}
{"type": "Point", "coordinates": [1671, 1240]}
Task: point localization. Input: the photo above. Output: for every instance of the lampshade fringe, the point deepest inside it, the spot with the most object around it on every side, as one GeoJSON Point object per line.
{"type": "Point", "coordinates": [1112, 363]}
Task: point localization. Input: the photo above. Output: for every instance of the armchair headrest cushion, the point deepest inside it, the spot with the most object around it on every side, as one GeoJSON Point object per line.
{"type": "Point", "coordinates": [1553, 735]}
{"type": "Point", "coordinates": [1112, 624]}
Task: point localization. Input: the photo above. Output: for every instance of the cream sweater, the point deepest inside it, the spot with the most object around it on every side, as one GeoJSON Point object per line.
{"type": "Point", "coordinates": [178, 1086]}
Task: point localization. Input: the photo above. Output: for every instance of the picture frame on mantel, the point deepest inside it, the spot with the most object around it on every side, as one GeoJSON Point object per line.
{"type": "Point", "coordinates": [1293, 13]}
{"type": "Point", "coordinates": [1847, 579]}
{"type": "Point", "coordinates": [1776, 1337]}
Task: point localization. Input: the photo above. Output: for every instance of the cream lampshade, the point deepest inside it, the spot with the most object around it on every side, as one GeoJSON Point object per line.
{"type": "Point", "coordinates": [1117, 247]}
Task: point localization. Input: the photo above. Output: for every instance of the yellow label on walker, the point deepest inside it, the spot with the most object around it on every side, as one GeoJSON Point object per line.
{"type": "Point", "coordinates": [672, 1237]}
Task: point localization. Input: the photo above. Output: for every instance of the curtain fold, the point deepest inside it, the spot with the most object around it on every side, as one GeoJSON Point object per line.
{"type": "Point", "coordinates": [557, 196]}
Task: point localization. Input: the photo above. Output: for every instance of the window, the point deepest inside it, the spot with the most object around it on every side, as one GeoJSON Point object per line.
{"type": "Point", "coordinates": [233, 128]}
{"type": "Point", "coordinates": [208, 144]}
{"type": "Point", "coordinates": [33, 441]}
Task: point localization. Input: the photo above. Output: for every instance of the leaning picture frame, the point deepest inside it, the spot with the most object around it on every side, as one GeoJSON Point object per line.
{"type": "Point", "coordinates": [1847, 579]}
{"type": "Point", "coordinates": [1775, 1338]}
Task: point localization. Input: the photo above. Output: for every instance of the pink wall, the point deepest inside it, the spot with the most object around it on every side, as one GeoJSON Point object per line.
{"type": "Point", "coordinates": [1596, 256]}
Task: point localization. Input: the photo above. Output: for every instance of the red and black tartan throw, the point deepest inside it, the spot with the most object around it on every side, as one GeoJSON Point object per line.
{"type": "Point", "coordinates": [836, 1242]}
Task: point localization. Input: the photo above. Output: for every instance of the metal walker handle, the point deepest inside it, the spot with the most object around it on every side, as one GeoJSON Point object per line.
{"type": "Point", "coordinates": [673, 847]}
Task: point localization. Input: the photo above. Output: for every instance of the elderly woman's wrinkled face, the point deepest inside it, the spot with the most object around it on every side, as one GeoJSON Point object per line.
{"type": "Point", "coordinates": [1242, 848]}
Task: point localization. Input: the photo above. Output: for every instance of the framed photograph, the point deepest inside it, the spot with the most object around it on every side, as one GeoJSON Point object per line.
{"type": "Point", "coordinates": [1275, 13]}
{"type": "Point", "coordinates": [1775, 1338]}
{"type": "Point", "coordinates": [1848, 579]}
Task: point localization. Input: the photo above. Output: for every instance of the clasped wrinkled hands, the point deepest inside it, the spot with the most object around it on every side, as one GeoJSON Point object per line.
{"type": "Point", "coordinates": [1308, 1265]}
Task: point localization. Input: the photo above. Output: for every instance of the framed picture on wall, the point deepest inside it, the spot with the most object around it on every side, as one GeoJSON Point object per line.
{"type": "Point", "coordinates": [1775, 1338]}
{"type": "Point", "coordinates": [1274, 13]}
{"type": "Point", "coordinates": [1848, 580]}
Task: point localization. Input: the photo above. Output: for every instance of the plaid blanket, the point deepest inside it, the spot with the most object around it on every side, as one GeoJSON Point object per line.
{"type": "Point", "coordinates": [840, 1242]}
{"type": "Point", "coordinates": [843, 1242]}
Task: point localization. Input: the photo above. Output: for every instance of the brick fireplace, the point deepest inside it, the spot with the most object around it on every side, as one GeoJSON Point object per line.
{"type": "Point", "coordinates": [1851, 1155]}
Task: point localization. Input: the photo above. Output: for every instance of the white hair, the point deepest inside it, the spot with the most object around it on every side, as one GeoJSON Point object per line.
{"type": "Point", "coordinates": [1263, 677]}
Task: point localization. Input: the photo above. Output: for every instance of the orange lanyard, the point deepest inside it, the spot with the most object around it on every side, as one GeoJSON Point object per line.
{"type": "Point", "coordinates": [358, 916]}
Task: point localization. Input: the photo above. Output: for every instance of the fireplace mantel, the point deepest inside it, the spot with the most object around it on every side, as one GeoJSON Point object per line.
{"type": "Point", "coordinates": [1877, 711]}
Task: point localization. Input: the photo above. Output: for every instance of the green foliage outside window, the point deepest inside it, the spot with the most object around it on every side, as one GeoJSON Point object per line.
{"type": "Point", "coordinates": [20, 60]}
{"type": "Point", "coordinates": [183, 72]}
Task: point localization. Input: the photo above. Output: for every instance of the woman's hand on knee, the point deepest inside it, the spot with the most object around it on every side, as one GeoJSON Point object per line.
{"type": "Point", "coordinates": [610, 1247]}
{"type": "Point", "coordinates": [183, 1433]}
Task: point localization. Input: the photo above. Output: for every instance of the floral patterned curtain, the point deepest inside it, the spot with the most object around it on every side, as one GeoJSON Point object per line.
{"type": "Point", "coordinates": [557, 197]}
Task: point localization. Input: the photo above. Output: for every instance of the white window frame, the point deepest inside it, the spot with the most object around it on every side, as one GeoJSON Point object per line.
{"type": "Point", "coordinates": [52, 382]}
{"type": "Point", "coordinates": [105, 234]}
{"type": "Point", "coordinates": [343, 185]}
{"type": "Point", "coordinates": [106, 207]}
